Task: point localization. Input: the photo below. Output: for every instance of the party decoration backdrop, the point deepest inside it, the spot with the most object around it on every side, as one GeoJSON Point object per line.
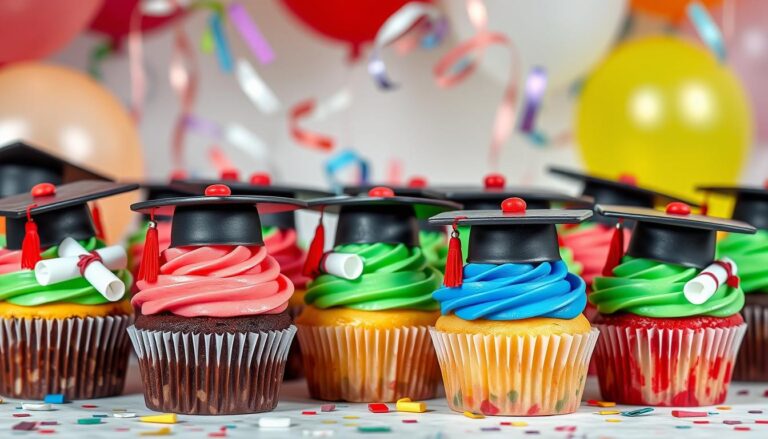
{"type": "Point", "coordinates": [68, 113]}
{"type": "Point", "coordinates": [666, 111]}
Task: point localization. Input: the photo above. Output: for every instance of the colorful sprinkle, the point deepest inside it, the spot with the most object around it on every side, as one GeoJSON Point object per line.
{"type": "Point", "coordinates": [327, 407]}
{"type": "Point", "coordinates": [568, 428]}
{"type": "Point", "coordinates": [165, 418]}
{"type": "Point", "coordinates": [723, 407]}
{"type": "Point", "coordinates": [100, 415]}
{"type": "Point", "coordinates": [743, 392]}
{"type": "Point", "coordinates": [21, 415]}
{"type": "Point", "coordinates": [471, 415]}
{"type": "Point", "coordinates": [688, 414]}
{"type": "Point", "coordinates": [701, 422]}
{"type": "Point", "coordinates": [682, 427]}
{"type": "Point", "coordinates": [46, 431]}
{"type": "Point", "coordinates": [637, 412]}
{"type": "Point", "coordinates": [612, 420]}
{"type": "Point", "coordinates": [25, 426]}
{"type": "Point", "coordinates": [89, 421]}
{"type": "Point", "coordinates": [609, 412]}
{"type": "Point", "coordinates": [490, 429]}
{"type": "Point", "coordinates": [165, 431]}
{"type": "Point", "coordinates": [124, 415]}
{"type": "Point", "coordinates": [761, 421]}
{"type": "Point", "coordinates": [351, 417]}
{"type": "Point", "coordinates": [409, 421]}
{"type": "Point", "coordinates": [406, 405]}
{"type": "Point", "coordinates": [328, 421]}
{"type": "Point", "coordinates": [89, 406]}
{"type": "Point", "coordinates": [731, 422]}
{"type": "Point", "coordinates": [755, 412]}
{"type": "Point", "coordinates": [374, 429]}
{"type": "Point", "coordinates": [519, 424]}
{"type": "Point", "coordinates": [55, 398]}
{"type": "Point", "coordinates": [378, 407]}
{"type": "Point", "coordinates": [274, 422]}
{"type": "Point", "coordinates": [742, 428]}
{"type": "Point", "coordinates": [309, 412]}
{"type": "Point", "coordinates": [49, 423]}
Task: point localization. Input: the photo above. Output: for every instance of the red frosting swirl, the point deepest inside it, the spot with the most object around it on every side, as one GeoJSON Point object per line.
{"type": "Point", "coordinates": [590, 245]}
{"type": "Point", "coordinates": [216, 281]}
{"type": "Point", "coordinates": [281, 244]}
{"type": "Point", "coordinates": [10, 260]}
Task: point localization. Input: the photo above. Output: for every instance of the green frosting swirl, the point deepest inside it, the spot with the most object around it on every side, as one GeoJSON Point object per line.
{"type": "Point", "coordinates": [434, 245]}
{"type": "Point", "coordinates": [21, 287]}
{"type": "Point", "coordinates": [2, 240]}
{"type": "Point", "coordinates": [653, 289]}
{"type": "Point", "coordinates": [395, 277]}
{"type": "Point", "coordinates": [574, 267]}
{"type": "Point", "coordinates": [750, 252]}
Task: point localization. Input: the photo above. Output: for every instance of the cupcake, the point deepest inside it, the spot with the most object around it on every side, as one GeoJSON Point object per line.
{"type": "Point", "coordinates": [511, 339]}
{"type": "Point", "coordinates": [750, 252]}
{"type": "Point", "coordinates": [213, 330]}
{"type": "Point", "coordinates": [63, 314]}
{"type": "Point", "coordinates": [669, 312]}
{"type": "Point", "coordinates": [280, 238]}
{"type": "Point", "coordinates": [589, 241]}
{"type": "Point", "coordinates": [364, 330]}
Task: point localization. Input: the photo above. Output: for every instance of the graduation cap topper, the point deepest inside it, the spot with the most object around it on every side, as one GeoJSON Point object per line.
{"type": "Point", "coordinates": [513, 234]}
{"type": "Point", "coordinates": [48, 214]}
{"type": "Point", "coordinates": [751, 204]}
{"type": "Point", "coordinates": [673, 236]}
{"type": "Point", "coordinates": [380, 217]}
{"type": "Point", "coordinates": [216, 218]}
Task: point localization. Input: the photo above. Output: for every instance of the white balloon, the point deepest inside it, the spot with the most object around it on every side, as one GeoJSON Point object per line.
{"type": "Point", "coordinates": [566, 37]}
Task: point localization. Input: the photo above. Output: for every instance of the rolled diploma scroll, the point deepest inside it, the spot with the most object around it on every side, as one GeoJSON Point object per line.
{"type": "Point", "coordinates": [344, 265]}
{"type": "Point", "coordinates": [699, 289]}
{"type": "Point", "coordinates": [98, 274]}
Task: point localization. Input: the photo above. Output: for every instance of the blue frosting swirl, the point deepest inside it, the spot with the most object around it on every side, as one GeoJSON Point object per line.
{"type": "Point", "coordinates": [515, 292]}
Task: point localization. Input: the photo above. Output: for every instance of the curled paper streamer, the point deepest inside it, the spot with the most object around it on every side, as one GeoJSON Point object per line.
{"type": "Point", "coordinates": [220, 160]}
{"type": "Point", "coordinates": [342, 161]}
{"type": "Point", "coordinates": [98, 274]}
{"type": "Point", "coordinates": [339, 101]}
{"type": "Point", "coordinates": [307, 138]}
{"type": "Point", "coordinates": [535, 86]}
{"type": "Point", "coordinates": [161, 8]}
{"type": "Point", "coordinates": [344, 265]}
{"type": "Point", "coordinates": [223, 52]}
{"type": "Point", "coordinates": [446, 74]}
{"type": "Point", "coordinates": [183, 77]}
{"type": "Point", "coordinates": [232, 134]}
{"type": "Point", "coordinates": [707, 29]}
{"type": "Point", "coordinates": [255, 88]}
{"type": "Point", "coordinates": [250, 33]}
{"type": "Point", "coordinates": [395, 27]}
{"type": "Point", "coordinates": [136, 66]}
{"type": "Point", "coordinates": [702, 287]}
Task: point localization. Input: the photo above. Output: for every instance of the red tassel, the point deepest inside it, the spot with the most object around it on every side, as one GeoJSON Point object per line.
{"type": "Point", "coordinates": [30, 246]}
{"type": "Point", "coordinates": [97, 223]}
{"type": "Point", "coordinates": [315, 252]}
{"type": "Point", "coordinates": [615, 250]}
{"type": "Point", "coordinates": [150, 258]}
{"type": "Point", "coordinates": [454, 264]}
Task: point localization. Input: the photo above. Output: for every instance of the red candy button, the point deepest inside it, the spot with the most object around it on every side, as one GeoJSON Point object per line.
{"type": "Point", "coordinates": [43, 190]}
{"type": "Point", "coordinates": [382, 192]}
{"type": "Point", "coordinates": [230, 175]}
{"type": "Point", "coordinates": [628, 179]}
{"type": "Point", "coordinates": [495, 181]}
{"type": "Point", "coordinates": [417, 182]}
{"type": "Point", "coordinates": [513, 205]}
{"type": "Point", "coordinates": [218, 190]}
{"type": "Point", "coordinates": [678, 208]}
{"type": "Point", "coordinates": [261, 179]}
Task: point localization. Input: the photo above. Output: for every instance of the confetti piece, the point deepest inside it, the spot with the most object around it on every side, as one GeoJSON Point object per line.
{"type": "Point", "coordinates": [25, 426]}
{"type": "Point", "coordinates": [21, 415]}
{"type": "Point", "coordinates": [328, 421]}
{"type": "Point", "coordinates": [688, 414]}
{"type": "Point", "coordinates": [47, 431]}
{"type": "Point", "coordinates": [119, 410]}
{"type": "Point", "coordinates": [406, 405]}
{"type": "Point", "coordinates": [88, 406]}
{"type": "Point", "coordinates": [609, 412]}
{"type": "Point", "coordinates": [519, 424]}
{"type": "Point", "coordinates": [743, 392]}
{"type": "Point", "coordinates": [274, 422]}
{"type": "Point", "coordinates": [638, 412]}
{"type": "Point", "coordinates": [54, 398]}
{"type": "Point", "coordinates": [165, 431]}
{"type": "Point", "coordinates": [742, 428]}
{"type": "Point", "coordinates": [731, 422]}
{"type": "Point", "coordinates": [309, 412]}
{"type": "Point", "coordinates": [613, 420]}
{"type": "Point", "coordinates": [471, 415]}
{"type": "Point", "coordinates": [165, 418]}
{"type": "Point", "coordinates": [327, 407]}
{"type": "Point", "coordinates": [89, 421]}
{"type": "Point", "coordinates": [124, 415]}
{"type": "Point", "coordinates": [351, 424]}
{"type": "Point", "coordinates": [701, 422]}
{"type": "Point", "coordinates": [761, 421]}
{"type": "Point", "coordinates": [409, 421]}
{"type": "Point", "coordinates": [48, 423]}
{"type": "Point", "coordinates": [606, 404]}
{"type": "Point", "coordinates": [218, 434]}
{"type": "Point", "coordinates": [373, 429]}
{"type": "Point", "coordinates": [532, 432]}
{"type": "Point", "coordinates": [378, 408]}
{"type": "Point", "coordinates": [568, 428]}
{"type": "Point", "coordinates": [755, 412]}
{"type": "Point", "coordinates": [351, 417]}
{"type": "Point", "coordinates": [36, 406]}
{"type": "Point", "coordinates": [100, 415]}
{"type": "Point", "coordinates": [723, 407]}
{"type": "Point", "coordinates": [682, 426]}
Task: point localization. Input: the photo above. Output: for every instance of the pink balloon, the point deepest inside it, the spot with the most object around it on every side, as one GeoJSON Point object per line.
{"type": "Point", "coordinates": [33, 29]}
{"type": "Point", "coordinates": [746, 40]}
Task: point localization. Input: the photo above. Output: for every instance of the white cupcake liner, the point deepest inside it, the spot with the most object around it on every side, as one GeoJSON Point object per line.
{"type": "Point", "coordinates": [82, 358]}
{"type": "Point", "coordinates": [666, 367]}
{"type": "Point", "coordinates": [514, 375]}
{"type": "Point", "coordinates": [211, 374]}
{"type": "Point", "coordinates": [369, 365]}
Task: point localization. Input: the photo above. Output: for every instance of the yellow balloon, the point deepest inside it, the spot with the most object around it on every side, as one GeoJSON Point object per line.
{"type": "Point", "coordinates": [70, 114]}
{"type": "Point", "coordinates": [665, 111]}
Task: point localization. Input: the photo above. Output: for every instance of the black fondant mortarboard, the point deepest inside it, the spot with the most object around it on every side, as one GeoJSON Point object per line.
{"type": "Point", "coordinates": [22, 166]}
{"type": "Point", "coordinates": [751, 203]}
{"type": "Point", "coordinates": [380, 216]}
{"type": "Point", "coordinates": [495, 190]}
{"type": "Point", "coordinates": [219, 217]}
{"type": "Point", "coordinates": [674, 236]}
{"type": "Point", "coordinates": [259, 184]}
{"type": "Point", "coordinates": [511, 233]}
{"type": "Point", "coordinates": [59, 211]}
{"type": "Point", "coordinates": [623, 191]}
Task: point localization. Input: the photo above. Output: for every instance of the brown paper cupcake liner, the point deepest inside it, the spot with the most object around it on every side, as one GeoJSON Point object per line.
{"type": "Point", "coordinates": [294, 366]}
{"type": "Point", "coordinates": [666, 367]}
{"type": "Point", "coordinates": [752, 361]}
{"type": "Point", "coordinates": [81, 358]}
{"type": "Point", "coordinates": [514, 375]}
{"type": "Point", "coordinates": [344, 363]}
{"type": "Point", "coordinates": [211, 374]}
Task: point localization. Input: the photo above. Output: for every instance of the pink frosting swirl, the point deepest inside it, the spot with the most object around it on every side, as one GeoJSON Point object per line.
{"type": "Point", "coordinates": [10, 261]}
{"type": "Point", "coordinates": [281, 244]}
{"type": "Point", "coordinates": [216, 281]}
{"type": "Point", "coordinates": [590, 245]}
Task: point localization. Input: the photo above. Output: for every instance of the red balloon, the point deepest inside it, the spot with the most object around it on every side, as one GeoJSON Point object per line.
{"type": "Point", "coordinates": [114, 19]}
{"type": "Point", "coordinates": [350, 21]}
{"type": "Point", "coordinates": [33, 29]}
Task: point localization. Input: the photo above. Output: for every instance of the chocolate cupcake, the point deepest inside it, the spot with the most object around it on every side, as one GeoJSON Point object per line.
{"type": "Point", "coordinates": [214, 328]}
